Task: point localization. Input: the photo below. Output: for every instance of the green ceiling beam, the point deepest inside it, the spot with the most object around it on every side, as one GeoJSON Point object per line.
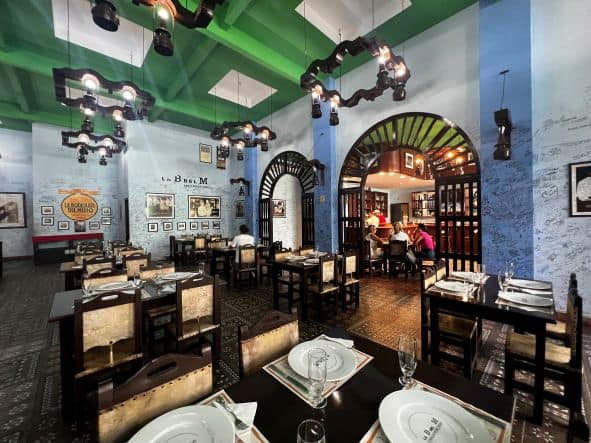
{"type": "Point", "coordinates": [234, 10]}
{"type": "Point", "coordinates": [22, 94]}
{"type": "Point", "coordinates": [253, 49]}
{"type": "Point", "coordinates": [155, 113]}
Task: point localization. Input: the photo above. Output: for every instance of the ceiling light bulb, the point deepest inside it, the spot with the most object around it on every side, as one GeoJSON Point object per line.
{"type": "Point", "coordinates": [265, 134]}
{"type": "Point", "coordinates": [240, 145]}
{"type": "Point", "coordinates": [88, 112]}
{"type": "Point", "coordinates": [247, 128]}
{"type": "Point", "coordinates": [117, 115]}
{"type": "Point", "coordinates": [83, 138]}
{"type": "Point", "coordinates": [102, 152]}
{"type": "Point", "coordinates": [90, 82]}
{"type": "Point", "coordinates": [381, 60]}
{"type": "Point", "coordinates": [163, 13]}
{"type": "Point", "coordinates": [128, 93]}
{"type": "Point", "coordinates": [401, 72]}
{"type": "Point", "coordinates": [225, 141]}
{"type": "Point", "coordinates": [108, 142]}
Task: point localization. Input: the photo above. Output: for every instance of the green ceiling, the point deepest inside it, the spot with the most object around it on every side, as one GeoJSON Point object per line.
{"type": "Point", "coordinates": [263, 39]}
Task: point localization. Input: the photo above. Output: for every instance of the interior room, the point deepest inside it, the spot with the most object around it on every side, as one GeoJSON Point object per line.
{"type": "Point", "coordinates": [299, 220]}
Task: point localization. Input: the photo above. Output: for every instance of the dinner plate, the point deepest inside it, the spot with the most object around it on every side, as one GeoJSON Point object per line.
{"type": "Point", "coordinates": [312, 261]}
{"type": "Point", "coordinates": [414, 415]}
{"type": "Point", "coordinates": [296, 257]}
{"type": "Point", "coordinates": [452, 286]}
{"type": "Point", "coordinates": [526, 299]}
{"type": "Point", "coordinates": [341, 361]}
{"type": "Point", "coordinates": [176, 276]}
{"type": "Point", "coordinates": [205, 424]}
{"type": "Point", "coordinates": [465, 275]}
{"type": "Point", "coordinates": [114, 286]}
{"type": "Point", "coordinates": [530, 284]}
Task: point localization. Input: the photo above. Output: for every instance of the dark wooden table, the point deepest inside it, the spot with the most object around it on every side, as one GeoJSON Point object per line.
{"type": "Point", "coordinates": [72, 275]}
{"type": "Point", "coordinates": [483, 305]}
{"type": "Point", "coordinates": [353, 409]}
{"type": "Point", "coordinates": [184, 242]}
{"type": "Point", "coordinates": [228, 253]}
{"type": "Point", "coordinates": [297, 267]}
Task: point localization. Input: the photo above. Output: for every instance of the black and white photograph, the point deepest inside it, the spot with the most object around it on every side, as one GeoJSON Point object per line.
{"type": "Point", "coordinates": [240, 209]}
{"type": "Point", "coordinates": [409, 160]}
{"type": "Point", "coordinates": [159, 205]}
{"type": "Point", "coordinates": [106, 212]}
{"type": "Point", "coordinates": [152, 227]}
{"type": "Point", "coordinates": [181, 226]}
{"type": "Point", "coordinates": [13, 212]}
{"type": "Point", "coordinates": [79, 226]}
{"type": "Point", "coordinates": [201, 206]}
{"type": "Point", "coordinates": [204, 225]}
{"type": "Point", "coordinates": [278, 208]}
{"type": "Point", "coordinates": [204, 153]}
{"type": "Point", "coordinates": [216, 224]}
{"type": "Point", "coordinates": [220, 161]}
{"type": "Point", "coordinates": [47, 221]}
{"type": "Point", "coordinates": [63, 225]}
{"type": "Point", "coordinates": [46, 210]}
{"type": "Point", "coordinates": [106, 220]}
{"type": "Point", "coordinates": [194, 226]}
{"type": "Point", "coordinates": [167, 226]}
{"type": "Point", "coordinates": [580, 189]}
{"type": "Point", "coordinates": [94, 225]}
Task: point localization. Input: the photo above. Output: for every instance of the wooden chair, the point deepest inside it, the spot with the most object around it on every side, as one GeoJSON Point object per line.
{"type": "Point", "coordinates": [397, 257]}
{"type": "Point", "coordinates": [348, 282]}
{"type": "Point", "coordinates": [87, 255]}
{"type": "Point", "coordinates": [370, 262]}
{"type": "Point", "coordinates": [92, 265]}
{"type": "Point", "coordinates": [218, 263]}
{"type": "Point", "coordinates": [133, 263]}
{"type": "Point", "coordinates": [270, 338]}
{"type": "Point", "coordinates": [247, 264]}
{"type": "Point", "coordinates": [165, 383]}
{"type": "Point", "coordinates": [152, 269]}
{"type": "Point", "coordinates": [305, 250]}
{"type": "Point", "coordinates": [288, 282]}
{"type": "Point", "coordinates": [558, 330]}
{"type": "Point", "coordinates": [563, 363]}
{"type": "Point", "coordinates": [199, 252]}
{"type": "Point", "coordinates": [453, 330]}
{"type": "Point", "coordinates": [105, 276]}
{"type": "Point", "coordinates": [126, 252]}
{"type": "Point", "coordinates": [326, 289]}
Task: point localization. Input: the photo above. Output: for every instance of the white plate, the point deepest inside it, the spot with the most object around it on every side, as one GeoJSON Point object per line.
{"type": "Point", "coordinates": [312, 261]}
{"type": "Point", "coordinates": [114, 286]}
{"type": "Point", "coordinates": [406, 415]}
{"type": "Point", "coordinates": [176, 276]}
{"type": "Point", "coordinates": [465, 275]}
{"type": "Point", "coordinates": [530, 284]}
{"type": "Point", "coordinates": [341, 361]}
{"type": "Point", "coordinates": [452, 286]}
{"type": "Point", "coordinates": [526, 299]}
{"type": "Point", "coordinates": [296, 257]}
{"type": "Point", "coordinates": [185, 425]}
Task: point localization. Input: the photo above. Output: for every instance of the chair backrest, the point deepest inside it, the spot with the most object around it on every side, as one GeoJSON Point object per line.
{"type": "Point", "coordinates": [428, 279]}
{"type": "Point", "coordinates": [196, 300]}
{"type": "Point", "coordinates": [126, 252]}
{"type": "Point", "coordinates": [104, 321]}
{"type": "Point", "coordinates": [305, 250]}
{"type": "Point", "coordinates": [327, 271]}
{"type": "Point", "coordinates": [105, 276]}
{"type": "Point", "coordinates": [398, 248]}
{"type": "Point", "coordinates": [218, 243]}
{"type": "Point", "coordinates": [87, 255]}
{"type": "Point", "coordinates": [441, 269]}
{"type": "Point", "coordinates": [200, 243]}
{"type": "Point", "coordinates": [247, 257]}
{"type": "Point", "coordinates": [133, 262]}
{"type": "Point", "coordinates": [97, 263]}
{"type": "Point", "coordinates": [574, 327]}
{"type": "Point", "coordinates": [165, 383]}
{"type": "Point", "coordinates": [271, 337]}
{"type": "Point", "coordinates": [282, 254]}
{"type": "Point", "coordinates": [150, 271]}
{"type": "Point", "coordinates": [349, 264]}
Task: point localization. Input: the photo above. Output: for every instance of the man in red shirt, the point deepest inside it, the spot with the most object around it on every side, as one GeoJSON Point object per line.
{"type": "Point", "coordinates": [381, 217]}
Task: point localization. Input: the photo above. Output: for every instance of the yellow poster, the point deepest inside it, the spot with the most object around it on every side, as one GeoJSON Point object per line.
{"type": "Point", "coordinates": [79, 206]}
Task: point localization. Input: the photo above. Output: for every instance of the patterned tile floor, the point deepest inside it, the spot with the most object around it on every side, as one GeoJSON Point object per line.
{"type": "Point", "coordinates": [29, 358]}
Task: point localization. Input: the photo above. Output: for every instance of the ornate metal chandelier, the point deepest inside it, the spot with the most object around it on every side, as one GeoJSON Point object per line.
{"type": "Point", "coordinates": [252, 136]}
{"type": "Point", "coordinates": [104, 145]}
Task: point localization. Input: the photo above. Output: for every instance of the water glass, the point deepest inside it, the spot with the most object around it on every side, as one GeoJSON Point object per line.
{"type": "Point", "coordinates": [503, 282]}
{"type": "Point", "coordinates": [136, 279]}
{"type": "Point", "coordinates": [311, 431]}
{"type": "Point", "coordinates": [85, 287]}
{"type": "Point", "coordinates": [482, 273]}
{"type": "Point", "coordinates": [200, 269]}
{"type": "Point", "coordinates": [407, 357]}
{"type": "Point", "coordinates": [509, 270]}
{"type": "Point", "coordinates": [317, 375]}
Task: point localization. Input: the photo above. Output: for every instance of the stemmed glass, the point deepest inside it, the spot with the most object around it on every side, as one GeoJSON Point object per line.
{"type": "Point", "coordinates": [136, 279]}
{"type": "Point", "coordinates": [317, 375]}
{"type": "Point", "coordinates": [407, 357]}
{"type": "Point", "coordinates": [503, 282]}
{"type": "Point", "coordinates": [85, 287]}
{"type": "Point", "coordinates": [509, 270]}
{"type": "Point", "coordinates": [311, 431]}
{"type": "Point", "coordinates": [200, 269]}
{"type": "Point", "coordinates": [482, 273]}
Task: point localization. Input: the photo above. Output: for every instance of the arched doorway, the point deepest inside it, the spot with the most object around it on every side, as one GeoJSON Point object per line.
{"type": "Point", "coordinates": [449, 158]}
{"type": "Point", "coordinates": [294, 164]}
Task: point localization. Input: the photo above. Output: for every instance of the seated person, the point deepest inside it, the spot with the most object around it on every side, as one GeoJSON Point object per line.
{"type": "Point", "coordinates": [424, 242]}
{"type": "Point", "coordinates": [372, 220]}
{"type": "Point", "coordinates": [374, 242]}
{"type": "Point", "coordinates": [381, 217]}
{"type": "Point", "coordinates": [399, 234]}
{"type": "Point", "coordinates": [242, 239]}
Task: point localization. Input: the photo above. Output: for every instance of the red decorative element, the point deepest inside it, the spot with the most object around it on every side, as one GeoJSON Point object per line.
{"type": "Point", "coordinates": [66, 237]}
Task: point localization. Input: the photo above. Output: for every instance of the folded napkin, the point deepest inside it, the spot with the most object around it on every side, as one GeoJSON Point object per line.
{"type": "Point", "coordinates": [547, 293]}
{"type": "Point", "coordinates": [244, 411]}
{"type": "Point", "coordinates": [343, 341]}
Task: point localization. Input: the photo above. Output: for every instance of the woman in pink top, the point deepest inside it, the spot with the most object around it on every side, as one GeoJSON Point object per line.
{"type": "Point", "coordinates": [424, 242]}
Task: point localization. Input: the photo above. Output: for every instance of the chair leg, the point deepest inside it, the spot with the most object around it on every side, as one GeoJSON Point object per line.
{"type": "Point", "coordinates": [468, 359]}
{"type": "Point", "coordinates": [509, 374]}
{"type": "Point", "coordinates": [356, 295]}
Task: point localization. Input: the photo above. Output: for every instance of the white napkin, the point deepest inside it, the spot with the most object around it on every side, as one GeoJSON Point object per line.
{"type": "Point", "coordinates": [530, 291]}
{"type": "Point", "coordinates": [343, 341]}
{"type": "Point", "coordinates": [244, 411]}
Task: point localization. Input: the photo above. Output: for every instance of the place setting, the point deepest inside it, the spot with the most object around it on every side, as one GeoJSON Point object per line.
{"type": "Point", "coordinates": [527, 295]}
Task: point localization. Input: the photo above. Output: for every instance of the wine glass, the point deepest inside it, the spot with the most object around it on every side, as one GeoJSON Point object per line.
{"type": "Point", "coordinates": [407, 357]}
{"type": "Point", "coordinates": [510, 270]}
{"type": "Point", "coordinates": [317, 375]}
{"type": "Point", "coordinates": [503, 282]}
{"type": "Point", "coordinates": [200, 269]}
{"type": "Point", "coordinates": [85, 287]}
{"type": "Point", "coordinates": [136, 279]}
{"type": "Point", "coordinates": [311, 431]}
{"type": "Point", "coordinates": [482, 273]}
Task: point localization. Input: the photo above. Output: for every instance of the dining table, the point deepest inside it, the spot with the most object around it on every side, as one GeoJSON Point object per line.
{"type": "Point", "coordinates": [227, 253]}
{"type": "Point", "coordinates": [72, 274]}
{"type": "Point", "coordinates": [484, 303]}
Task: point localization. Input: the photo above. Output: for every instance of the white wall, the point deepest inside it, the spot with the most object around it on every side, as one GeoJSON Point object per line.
{"type": "Point", "coordinates": [289, 229]}
{"type": "Point", "coordinates": [16, 176]}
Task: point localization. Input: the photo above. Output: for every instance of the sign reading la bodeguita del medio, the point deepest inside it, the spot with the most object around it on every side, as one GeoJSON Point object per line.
{"type": "Point", "coordinates": [79, 205]}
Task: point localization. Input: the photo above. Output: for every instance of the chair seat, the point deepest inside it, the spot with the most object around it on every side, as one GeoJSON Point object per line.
{"type": "Point", "coordinates": [461, 327]}
{"type": "Point", "coordinates": [524, 346]}
{"type": "Point", "coordinates": [558, 328]}
{"type": "Point", "coordinates": [350, 281]}
{"type": "Point", "coordinates": [192, 327]}
{"type": "Point", "coordinates": [98, 358]}
{"type": "Point", "coordinates": [327, 289]}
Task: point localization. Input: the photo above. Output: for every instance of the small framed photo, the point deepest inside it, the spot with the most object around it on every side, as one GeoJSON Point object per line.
{"type": "Point", "coordinates": [106, 212]}
{"type": "Point", "coordinates": [220, 161]}
{"type": "Point", "coordinates": [194, 226]}
{"type": "Point", "coordinates": [106, 220]}
{"type": "Point", "coordinates": [79, 226]}
{"type": "Point", "coordinates": [240, 209]}
{"type": "Point", "coordinates": [580, 189]}
{"type": "Point", "coordinates": [278, 208]}
{"type": "Point", "coordinates": [216, 224]}
{"type": "Point", "coordinates": [409, 160]}
{"type": "Point", "coordinates": [47, 221]}
{"type": "Point", "coordinates": [204, 153]}
{"type": "Point", "coordinates": [181, 226]}
{"type": "Point", "coordinates": [152, 227]}
{"type": "Point", "coordinates": [13, 211]}
{"type": "Point", "coordinates": [47, 210]}
{"type": "Point", "coordinates": [167, 226]}
{"type": "Point", "coordinates": [63, 225]}
{"type": "Point", "coordinates": [205, 225]}
{"type": "Point", "coordinates": [94, 225]}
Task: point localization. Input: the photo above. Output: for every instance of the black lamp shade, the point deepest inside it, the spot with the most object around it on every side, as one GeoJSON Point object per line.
{"type": "Point", "coordinates": [119, 132]}
{"type": "Point", "coordinates": [334, 119]}
{"type": "Point", "coordinates": [316, 111]}
{"type": "Point", "coordinates": [87, 125]}
{"type": "Point", "coordinates": [399, 93]}
{"type": "Point", "coordinates": [104, 14]}
{"type": "Point", "coordinates": [163, 42]}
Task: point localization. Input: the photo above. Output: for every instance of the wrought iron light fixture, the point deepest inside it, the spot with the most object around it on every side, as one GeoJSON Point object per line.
{"type": "Point", "coordinates": [387, 61]}
{"type": "Point", "coordinates": [104, 145]}
{"type": "Point", "coordinates": [318, 169]}
{"type": "Point", "coordinates": [252, 136]}
{"type": "Point", "coordinates": [504, 125]}
{"type": "Point", "coordinates": [104, 14]}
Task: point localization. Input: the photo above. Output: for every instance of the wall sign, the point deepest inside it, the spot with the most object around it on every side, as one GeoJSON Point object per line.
{"type": "Point", "coordinates": [79, 205]}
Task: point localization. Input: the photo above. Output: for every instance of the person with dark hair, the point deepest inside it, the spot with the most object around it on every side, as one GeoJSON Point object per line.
{"type": "Point", "coordinates": [242, 239]}
{"type": "Point", "coordinates": [424, 244]}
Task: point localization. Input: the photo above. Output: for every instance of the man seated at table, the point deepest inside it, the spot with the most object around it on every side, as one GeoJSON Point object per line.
{"type": "Point", "coordinates": [242, 239]}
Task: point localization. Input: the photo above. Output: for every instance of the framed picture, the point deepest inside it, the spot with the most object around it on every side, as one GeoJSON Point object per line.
{"type": "Point", "coordinates": [152, 227]}
{"type": "Point", "coordinates": [79, 226]}
{"type": "Point", "coordinates": [202, 206]}
{"type": "Point", "coordinates": [204, 153]}
{"type": "Point", "coordinates": [13, 211]}
{"type": "Point", "coordinates": [106, 212]}
{"type": "Point", "coordinates": [63, 225]}
{"type": "Point", "coordinates": [167, 226]}
{"type": "Point", "coordinates": [46, 221]}
{"type": "Point", "coordinates": [240, 209]}
{"type": "Point", "coordinates": [220, 160]}
{"type": "Point", "coordinates": [47, 210]}
{"type": "Point", "coordinates": [409, 160]}
{"type": "Point", "coordinates": [216, 224]}
{"type": "Point", "coordinates": [278, 208]}
{"type": "Point", "coordinates": [181, 226]}
{"type": "Point", "coordinates": [580, 189]}
{"type": "Point", "coordinates": [194, 226]}
{"type": "Point", "coordinates": [106, 220]}
{"type": "Point", "coordinates": [204, 225]}
{"type": "Point", "coordinates": [159, 205]}
{"type": "Point", "coordinates": [94, 225]}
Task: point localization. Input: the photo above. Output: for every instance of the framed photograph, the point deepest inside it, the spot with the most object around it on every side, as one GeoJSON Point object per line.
{"type": "Point", "coordinates": [202, 206]}
{"type": "Point", "coordinates": [167, 226]}
{"type": "Point", "coordinates": [159, 205]}
{"type": "Point", "coordinates": [79, 226]}
{"type": "Point", "coordinates": [580, 189]}
{"type": "Point", "coordinates": [13, 211]}
{"type": "Point", "coordinates": [220, 160]}
{"type": "Point", "coordinates": [409, 160]}
{"type": "Point", "coordinates": [94, 225]}
{"type": "Point", "coordinates": [240, 209]}
{"type": "Point", "coordinates": [278, 208]}
{"type": "Point", "coordinates": [106, 212]}
{"type": "Point", "coordinates": [216, 224]}
{"type": "Point", "coordinates": [47, 210]}
{"type": "Point", "coordinates": [63, 225]}
{"type": "Point", "coordinates": [205, 225]}
{"type": "Point", "coordinates": [46, 221]}
{"type": "Point", "coordinates": [181, 226]}
{"type": "Point", "coordinates": [204, 153]}
{"type": "Point", "coordinates": [152, 227]}
{"type": "Point", "coordinates": [106, 220]}
{"type": "Point", "coordinates": [194, 226]}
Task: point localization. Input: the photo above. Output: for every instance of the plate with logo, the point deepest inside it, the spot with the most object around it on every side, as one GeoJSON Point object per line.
{"type": "Point", "coordinates": [340, 363]}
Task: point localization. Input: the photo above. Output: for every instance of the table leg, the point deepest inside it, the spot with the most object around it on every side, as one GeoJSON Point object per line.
{"type": "Point", "coordinates": [274, 273]}
{"type": "Point", "coordinates": [66, 326]}
{"type": "Point", "coordinates": [68, 281]}
{"type": "Point", "coordinates": [304, 294]}
{"type": "Point", "coordinates": [539, 373]}
{"type": "Point", "coordinates": [434, 323]}
{"type": "Point", "coordinates": [227, 267]}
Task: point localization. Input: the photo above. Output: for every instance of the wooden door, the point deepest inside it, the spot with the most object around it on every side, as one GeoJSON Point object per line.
{"type": "Point", "coordinates": [307, 219]}
{"type": "Point", "coordinates": [266, 221]}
